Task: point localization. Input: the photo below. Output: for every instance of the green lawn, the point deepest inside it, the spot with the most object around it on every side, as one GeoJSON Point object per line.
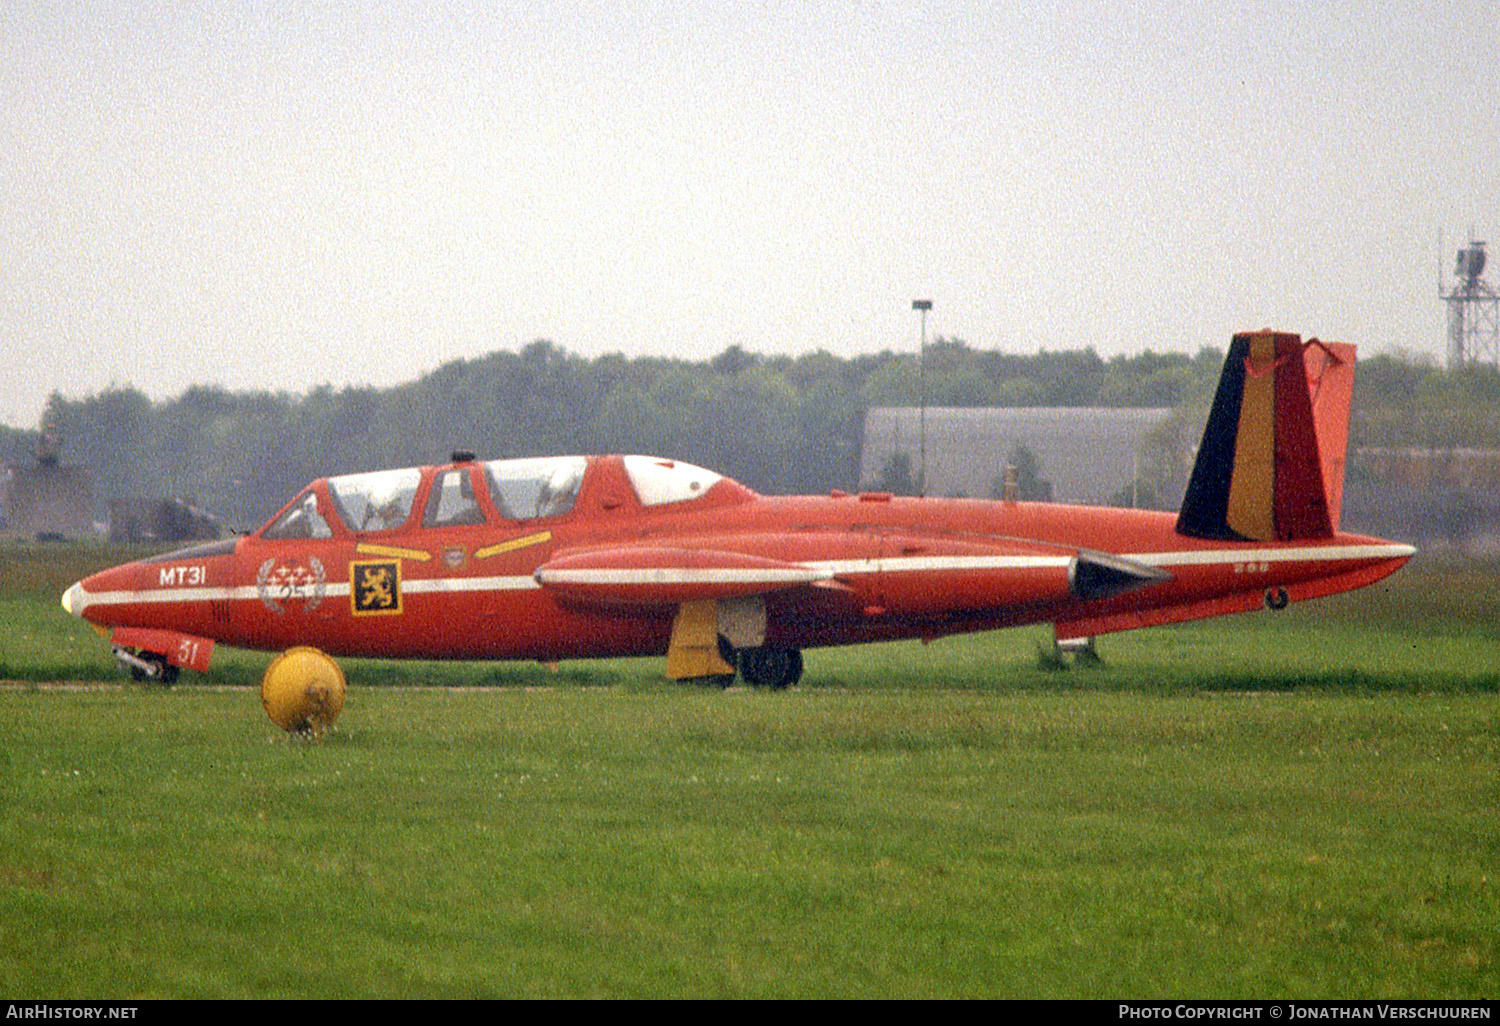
{"type": "Point", "coordinates": [667, 842]}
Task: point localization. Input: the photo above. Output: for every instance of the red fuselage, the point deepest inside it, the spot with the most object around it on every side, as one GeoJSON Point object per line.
{"type": "Point", "coordinates": [607, 577]}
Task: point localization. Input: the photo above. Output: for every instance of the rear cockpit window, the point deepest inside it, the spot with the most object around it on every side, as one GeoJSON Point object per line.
{"type": "Point", "coordinates": [528, 489]}
{"type": "Point", "coordinates": [301, 520]}
{"type": "Point", "coordinates": [452, 502]}
{"type": "Point", "coordinates": [378, 501]}
{"type": "Point", "coordinates": [658, 482]}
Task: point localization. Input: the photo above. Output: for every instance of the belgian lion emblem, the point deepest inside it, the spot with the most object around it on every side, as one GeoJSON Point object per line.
{"type": "Point", "coordinates": [375, 587]}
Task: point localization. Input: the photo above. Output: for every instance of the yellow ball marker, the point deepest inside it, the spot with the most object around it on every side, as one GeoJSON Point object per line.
{"type": "Point", "coordinates": [303, 691]}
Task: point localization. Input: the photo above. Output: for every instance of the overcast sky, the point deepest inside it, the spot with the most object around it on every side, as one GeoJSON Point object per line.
{"type": "Point", "coordinates": [280, 195]}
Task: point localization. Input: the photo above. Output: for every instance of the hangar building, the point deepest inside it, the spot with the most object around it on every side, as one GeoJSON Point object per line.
{"type": "Point", "coordinates": [1087, 453]}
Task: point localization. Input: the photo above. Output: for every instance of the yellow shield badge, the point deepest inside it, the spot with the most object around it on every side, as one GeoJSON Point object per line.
{"type": "Point", "coordinates": [375, 587]}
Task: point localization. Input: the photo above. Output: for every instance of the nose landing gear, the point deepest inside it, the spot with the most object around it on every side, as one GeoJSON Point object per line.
{"type": "Point", "coordinates": [146, 667]}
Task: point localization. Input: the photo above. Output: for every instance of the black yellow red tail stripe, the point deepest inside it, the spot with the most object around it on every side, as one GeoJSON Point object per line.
{"type": "Point", "coordinates": [1271, 465]}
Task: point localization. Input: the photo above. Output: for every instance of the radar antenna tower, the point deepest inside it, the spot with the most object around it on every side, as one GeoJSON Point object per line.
{"type": "Point", "coordinates": [1473, 311]}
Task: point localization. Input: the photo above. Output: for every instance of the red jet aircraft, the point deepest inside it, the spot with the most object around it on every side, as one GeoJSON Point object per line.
{"type": "Point", "coordinates": [586, 556]}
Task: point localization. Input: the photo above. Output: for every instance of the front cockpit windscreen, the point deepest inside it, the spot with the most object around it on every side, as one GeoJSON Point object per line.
{"type": "Point", "coordinates": [301, 520]}
{"type": "Point", "coordinates": [377, 501]}
{"type": "Point", "coordinates": [543, 487]}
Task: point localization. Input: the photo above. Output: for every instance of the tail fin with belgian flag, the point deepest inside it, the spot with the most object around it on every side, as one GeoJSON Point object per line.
{"type": "Point", "coordinates": [1271, 466]}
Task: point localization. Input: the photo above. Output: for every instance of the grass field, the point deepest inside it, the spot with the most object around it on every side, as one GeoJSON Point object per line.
{"type": "Point", "coordinates": [1300, 804]}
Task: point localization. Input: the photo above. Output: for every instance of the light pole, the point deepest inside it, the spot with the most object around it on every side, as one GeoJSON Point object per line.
{"type": "Point", "coordinates": [923, 305]}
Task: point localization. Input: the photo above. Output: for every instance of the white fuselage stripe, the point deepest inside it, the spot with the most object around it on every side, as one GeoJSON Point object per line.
{"type": "Point", "coordinates": [813, 570]}
{"type": "Point", "coordinates": [688, 575]}
{"type": "Point", "coordinates": [1308, 554]}
{"type": "Point", "coordinates": [334, 590]}
{"type": "Point", "coordinates": [920, 564]}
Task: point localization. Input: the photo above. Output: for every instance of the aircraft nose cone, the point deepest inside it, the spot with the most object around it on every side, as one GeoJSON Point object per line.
{"type": "Point", "coordinates": [72, 599]}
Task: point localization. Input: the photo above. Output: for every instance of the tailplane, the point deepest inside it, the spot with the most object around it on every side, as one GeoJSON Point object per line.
{"type": "Point", "coordinates": [1271, 466]}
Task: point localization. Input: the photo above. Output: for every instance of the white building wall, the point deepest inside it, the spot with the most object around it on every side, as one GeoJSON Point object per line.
{"type": "Point", "coordinates": [1088, 453]}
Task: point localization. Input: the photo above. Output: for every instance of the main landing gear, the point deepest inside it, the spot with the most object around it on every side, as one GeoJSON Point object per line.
{"type": "Point", "coordinates": [701, 651]}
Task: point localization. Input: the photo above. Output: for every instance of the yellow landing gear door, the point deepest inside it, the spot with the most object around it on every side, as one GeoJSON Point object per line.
{"type": "Point", "coordinates": [694, 648]}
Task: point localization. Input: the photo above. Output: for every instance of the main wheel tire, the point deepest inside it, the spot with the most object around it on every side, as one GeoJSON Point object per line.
{"type": "Point", "coordinates": [771, 666]}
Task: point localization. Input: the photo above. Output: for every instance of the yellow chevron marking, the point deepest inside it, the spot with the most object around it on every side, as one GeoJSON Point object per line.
{"type": "Point", "coordinates": [392, 552]}
{"type": "Point", "coordinates": [525, 541]}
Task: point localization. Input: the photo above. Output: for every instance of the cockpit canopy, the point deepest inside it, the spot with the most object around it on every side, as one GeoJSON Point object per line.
{"type": "Point", "coordinates": [516, 490]}
{"type": "Point", "coordinates": [658, 482]}
{"type": "Point", "coordinates": [528, 489]}
{"type": "Point", "coordinates": [378, 501]}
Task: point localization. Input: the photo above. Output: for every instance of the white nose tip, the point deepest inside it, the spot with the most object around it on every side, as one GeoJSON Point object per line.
{"type": "Point", "coordinates": [72, 600]}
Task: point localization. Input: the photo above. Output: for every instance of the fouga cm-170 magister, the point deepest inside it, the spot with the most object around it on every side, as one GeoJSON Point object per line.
{"type": "Point", "coordinates": [591, 556]}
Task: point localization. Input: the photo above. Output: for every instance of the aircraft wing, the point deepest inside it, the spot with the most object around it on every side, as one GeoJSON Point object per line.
{"type": "Point", "coordinates": [641, 575]}
{"type": "Point", "coordinates": [917, 574]}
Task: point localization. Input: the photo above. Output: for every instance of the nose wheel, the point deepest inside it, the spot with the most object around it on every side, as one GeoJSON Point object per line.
{"type": "Point", "coordinates": [147, 667]}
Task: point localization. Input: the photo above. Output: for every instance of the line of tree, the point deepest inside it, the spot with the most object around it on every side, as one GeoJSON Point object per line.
{"type": "Point", "coordinates": [780, 424]}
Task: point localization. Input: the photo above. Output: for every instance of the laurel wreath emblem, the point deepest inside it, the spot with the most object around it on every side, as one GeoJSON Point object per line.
{"type": "Point", "coordinates": [277, 584]}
